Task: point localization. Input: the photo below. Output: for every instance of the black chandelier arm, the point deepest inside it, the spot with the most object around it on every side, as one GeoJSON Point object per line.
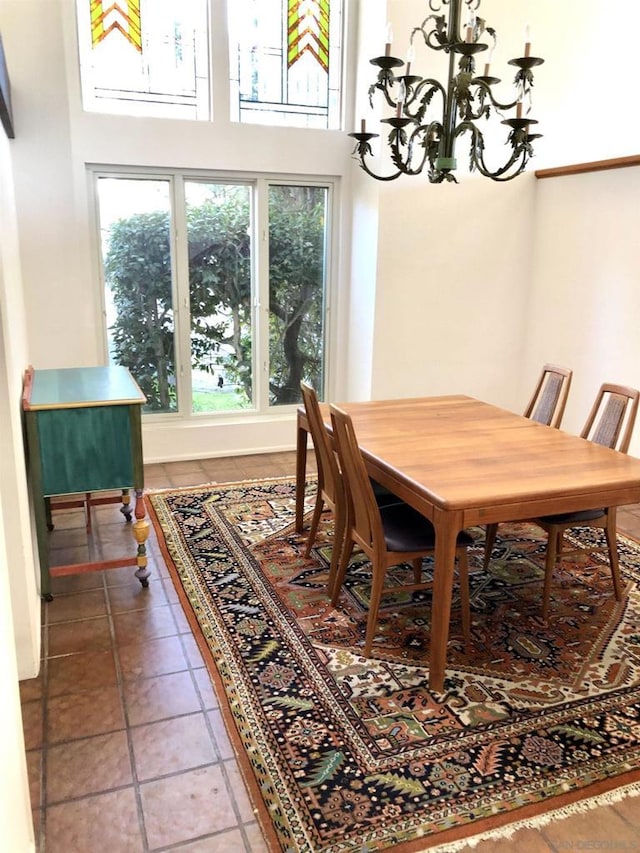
{"type": "Point", "coordinates": [485, 90]}
{"type": "Point", "coordinates": [371, 174]}
{"type": "Point", "coordinates": [435, 38]}
{"type": "Point", "coordinates": [520, 156]}
{"type": "Point", "coordinates": [423, 94]}
{"type": "Point", "coordinates": [422, 130]}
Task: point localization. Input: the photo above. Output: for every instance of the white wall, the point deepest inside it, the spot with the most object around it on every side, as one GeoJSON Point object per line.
{"type": "Point", "coordinates": [54, 143]}
{"type": "Point", "coordinates": [19, 600]}
{"type": "Point", "coordinates": [467, 299]}
{"type": "Point", "coordinates": [584, 310]}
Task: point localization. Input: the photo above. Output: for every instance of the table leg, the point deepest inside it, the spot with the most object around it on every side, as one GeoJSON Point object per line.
{"type": "Point", "coordinates": [301, 474]}
{"type": "Point", "coordinates": [447, 525]}
{"type": "Point", "coordinates": [141, 533]}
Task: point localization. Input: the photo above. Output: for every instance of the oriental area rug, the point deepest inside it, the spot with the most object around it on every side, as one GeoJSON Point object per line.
{"type": "Point", "coordinates": [344, 753]}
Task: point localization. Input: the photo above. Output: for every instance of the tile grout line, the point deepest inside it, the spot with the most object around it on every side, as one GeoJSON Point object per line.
{"type": "Point", "coordinates": [125, 712]}
{"type": "Point", "coordinates": [207, 720]}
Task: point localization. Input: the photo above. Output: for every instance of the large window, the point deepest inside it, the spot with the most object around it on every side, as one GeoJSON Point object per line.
{"type": "Point", "coordinates": [285, 61]}
{"type": "Point", "coordinates": [145, 57]}
{"type": "Point", "coordinates": [208, 317]}
{"type": "Point", "coordinates": [155, 57]}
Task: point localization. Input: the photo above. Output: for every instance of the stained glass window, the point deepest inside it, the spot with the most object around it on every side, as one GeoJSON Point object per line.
{"type": "Point", "coordinates": [285, 62]}
{"type": "Point", "coordinates": [145, 57]}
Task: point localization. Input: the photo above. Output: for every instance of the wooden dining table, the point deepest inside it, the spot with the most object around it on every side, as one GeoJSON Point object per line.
{"type": "Point", "coordinates": [462, 462]}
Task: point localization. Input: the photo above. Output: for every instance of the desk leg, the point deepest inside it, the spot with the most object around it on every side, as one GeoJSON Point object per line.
{"type": "Point", "coordinates": [141, 533]}
{"type": "Point", "coordinates": [126, 507]}
{"type": "Point", "coordinates": [301, 474]}
{"type": "Point", "coordinates": [447, 525]}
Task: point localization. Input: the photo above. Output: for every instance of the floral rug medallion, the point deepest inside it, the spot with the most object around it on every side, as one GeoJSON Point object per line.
{"type": "Point", "coordinates": [344, 753]}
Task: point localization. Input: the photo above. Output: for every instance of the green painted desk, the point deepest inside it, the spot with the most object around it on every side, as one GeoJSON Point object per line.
{"type": "Point", "coordinates": [84, 435]}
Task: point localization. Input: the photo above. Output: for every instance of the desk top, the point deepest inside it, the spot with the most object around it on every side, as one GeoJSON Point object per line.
{"type": "Point", "coordinates": [80, 387]}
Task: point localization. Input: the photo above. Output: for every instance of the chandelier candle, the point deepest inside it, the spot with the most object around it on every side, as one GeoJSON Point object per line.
{"type": "Point", "coordinates": [428, 117]}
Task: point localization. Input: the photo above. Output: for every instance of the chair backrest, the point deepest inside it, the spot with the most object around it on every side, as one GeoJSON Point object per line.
{"type": "Point", "coordinates": [549, 399]}
{"type": "Point", "coordinates": [612, 417]}
{"type": "Point", "coordinates": [363, 513]}
{"type": "Point", "coordinates": [328, 472]}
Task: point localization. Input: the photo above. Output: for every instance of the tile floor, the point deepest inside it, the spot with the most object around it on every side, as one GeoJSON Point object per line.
{"type": "Point", "coordinates": [126, 748]}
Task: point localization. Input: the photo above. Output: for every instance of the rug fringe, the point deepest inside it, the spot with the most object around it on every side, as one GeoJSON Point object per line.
{"type": "Point", "coordinates": [508, 831]}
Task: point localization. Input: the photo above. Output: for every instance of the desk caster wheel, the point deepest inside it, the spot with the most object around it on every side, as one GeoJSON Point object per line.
{"type": "Point", "coordinates": [48, 597]}
{"type": "Point", "coordinates": [145, 583]}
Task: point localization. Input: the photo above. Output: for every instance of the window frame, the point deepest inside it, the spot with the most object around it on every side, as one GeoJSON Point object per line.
{"type": "Point", "coordinates": [259, 183]}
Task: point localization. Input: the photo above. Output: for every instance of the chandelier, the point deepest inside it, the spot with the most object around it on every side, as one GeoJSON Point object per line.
{"type": "Point", "coordinates": [429, 116]}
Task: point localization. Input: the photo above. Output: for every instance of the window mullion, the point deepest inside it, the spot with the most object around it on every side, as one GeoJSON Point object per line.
{"type": "Point", "coordinates": [261, 294]}
{"type": "Point", "coordinates": [180, 254]}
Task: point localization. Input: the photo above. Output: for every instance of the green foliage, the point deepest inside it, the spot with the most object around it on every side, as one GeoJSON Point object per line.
{"type": "Point", "coordinates": [138, 271]}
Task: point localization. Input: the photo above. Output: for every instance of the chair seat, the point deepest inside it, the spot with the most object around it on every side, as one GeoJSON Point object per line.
{"type": "Point", "coordinates": [571, 517]}
{"type": "Point", "coordinates": [382, 495]}
{"type": "Point", "coordinates": [405, 529]}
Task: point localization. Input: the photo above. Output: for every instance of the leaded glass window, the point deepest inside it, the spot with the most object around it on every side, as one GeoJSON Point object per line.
{"type": "Point", "coordinates": [145, 57]}
{"type": "Point", "coordinates": [285, 62]}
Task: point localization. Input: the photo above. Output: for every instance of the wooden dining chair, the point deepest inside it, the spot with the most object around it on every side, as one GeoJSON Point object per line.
{"type": "Point", "coordinates": [330, 490]}
{"type": "Point", "coordinates": [610, 423]}
{"type": "Point", "coordinates": [549, 398]}
{"type": "Point", "coordinates": [388, 535]}
{"type": "Point", "coordinates": [546, 406]}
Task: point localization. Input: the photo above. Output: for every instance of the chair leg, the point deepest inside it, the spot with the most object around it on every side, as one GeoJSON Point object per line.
{"type": "Point", "coordinates": [612, 543]}
{"type": "Point", "coordinates": [315, 521]}
{"type": "Point", "coordinates": [417, 570]}
{"type": "Point", "coordinates": [489, 542]}
{"type": "Point", "coordinates": [339, 531]}
{"type": "Point", "coordinates": [345, 556]}
{"type": "Point", "coordinates": [549, 566]}
{"type": "Point", "coordinates": [465, 603]}
{"type": "Point", "coordinates": [374, 606]}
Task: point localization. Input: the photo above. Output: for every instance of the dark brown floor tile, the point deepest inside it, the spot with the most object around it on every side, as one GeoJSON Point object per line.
{"type": "Point", "coordinates": [178, 808]}
{"type": "Point", "coordinates": [230, 841]}
{"type": "Point", "coordinates": [522, 841]}
{"type": "Point", "coordinates": [151, 699]}
{"type": "Point", "coordinates": [170, 591]}
{"type": "Point", "coordinates": [121, 576]}
{"type": "Point", "coordinates": [133, 596]}
{"type": "Point", "coordinates": [88, 766]}
{"type": "Point", "coordinates": [86, 635]}
{"type": "Point", "coordinates": [34, 772]}
{"type": "Point", "coordinates": [82, 605]}
{"type": "Point", "coordinates": [629, 810]}
{"type": "Point", "coordinates": [79, 715]}
{"type": "Point", "coordinates": [172, 746]}
{"type": "Point", "coordinates": [181, 480]}
{"type": "Point", "coordinates": [137, 626]}
{"type": "Point", "coordinates": [221, 470]}
{"type": "Point", "coordinates": [155, 657]}
{"type": "Point", "coordinates": [187, 466]}
{"type": "Point", "coordinates": [32, 688]}
{"type": "Point", "coordinates": [71, 556]}
{"type": "Point", "coordinates": [75, 673]}
{"type": "Point", "coordinates": [32, 724]}
{"type": "Point", "coordinates": [593, 829]}
{"type": "Point", "coordinates": [77, 583]}
{"type": "Point", "coordinates": [107, 823]}
{"type": "Point", "coordinates": [37, 816]}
